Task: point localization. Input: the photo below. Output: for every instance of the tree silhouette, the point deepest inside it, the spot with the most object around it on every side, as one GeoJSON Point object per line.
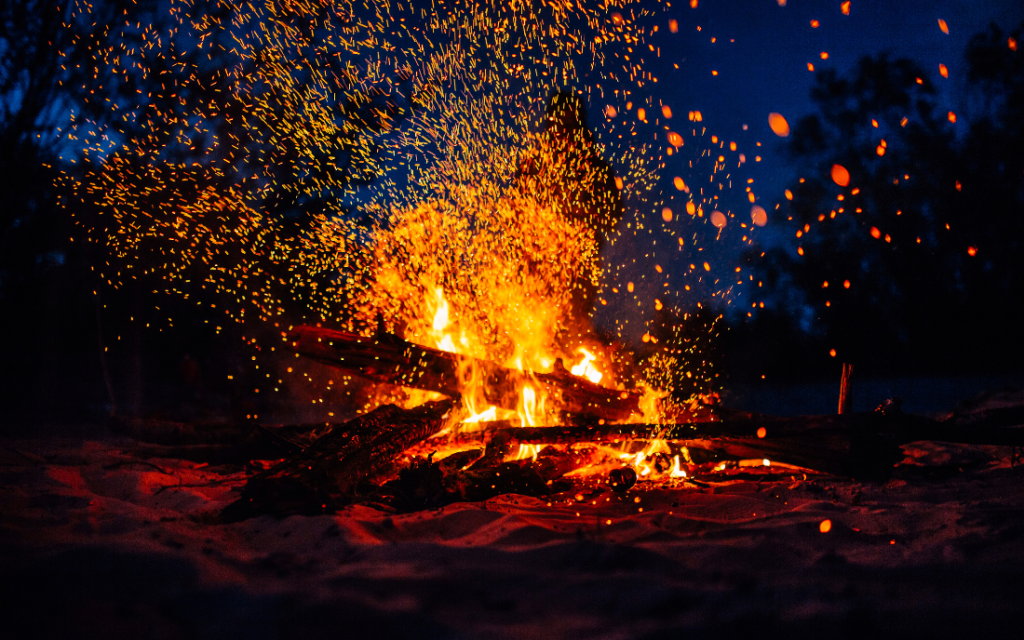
{"type": "Point", "coordinates": [47, 312]}
{"type": "Point", "coordinates": [117, 98]}
{"type": "Point", "coordinates": [905, 236]}
{"type": "Point", "coordinates": [992, 163]}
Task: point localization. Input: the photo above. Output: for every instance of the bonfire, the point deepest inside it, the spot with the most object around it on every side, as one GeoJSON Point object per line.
{"type": "Point", "coordinates": [476, 253]}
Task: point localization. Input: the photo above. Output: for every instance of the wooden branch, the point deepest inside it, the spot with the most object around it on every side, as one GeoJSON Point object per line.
{"type": "Point", "coordinates": [525, 477]}
{"type": "Point", "coordinates": [343, 464]}
{"type": "Point", "coordinates": [864, 445]}
{"type": "Point", "coordinates": [339, 462]}
{"type": "Point", "coordinates": [738, 427]}
{"type": "Point", "coordinates": [845, 388]}
{"type": "Point", "coordinates": [386, 358]}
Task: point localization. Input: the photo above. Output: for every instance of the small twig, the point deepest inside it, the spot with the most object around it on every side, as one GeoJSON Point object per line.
{"type": "Point", "coordinates": [122, 463]}
{"type": "Point", "coordinates": [196, 485]}
{"type": "Point", "coordinates": [845, 389]}
{"type": "Point", "coordinates": [23, 455]}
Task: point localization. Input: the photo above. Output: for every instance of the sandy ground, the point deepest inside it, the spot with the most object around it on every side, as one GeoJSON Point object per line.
{"type": "Point", "coordinates": [97, 541]}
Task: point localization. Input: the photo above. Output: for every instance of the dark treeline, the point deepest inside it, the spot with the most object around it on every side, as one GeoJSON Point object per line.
{"type": "Point", "coordinates": [916, 265]}
{"type": "Point", "coordinates": [48, 313]}
{"type": "Point", "coordinates": [76, 349]}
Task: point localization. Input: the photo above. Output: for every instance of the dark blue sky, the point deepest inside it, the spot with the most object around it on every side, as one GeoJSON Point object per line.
{"type": "Point", "coordinates": [762, 50]}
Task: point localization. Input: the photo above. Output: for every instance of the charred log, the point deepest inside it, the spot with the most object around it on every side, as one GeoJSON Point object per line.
{"type": "Point", "coordinates": [861, 445]}
{"type": "Point", "coordinates": [386, 358]}
{"type": "Point", "coordinates": [426, 484]}
{"type": "Point", "coordinates": [846, 389]}
{"type": "Point", "coordinates": [340, 464]}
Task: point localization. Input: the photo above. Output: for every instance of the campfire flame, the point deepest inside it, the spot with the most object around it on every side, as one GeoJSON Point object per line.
{"type": "Point", "coordinates": [586, 368]}
{"type": "Point", "coordinates": [505, 297]}
{"type": "Point", "coordinates": [487, 253]}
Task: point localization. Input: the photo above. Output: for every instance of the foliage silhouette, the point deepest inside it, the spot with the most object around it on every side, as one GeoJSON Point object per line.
{"type": "Point", "coordinates": [914, 266]}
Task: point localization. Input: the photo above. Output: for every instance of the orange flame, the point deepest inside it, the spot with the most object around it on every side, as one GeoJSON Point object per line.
{"type": "Point", "coordinates": [585, 368]}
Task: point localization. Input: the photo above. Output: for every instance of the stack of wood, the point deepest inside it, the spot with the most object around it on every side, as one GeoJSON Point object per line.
{"type": "Point", "coordinates": [349, 462]}
{"type": "Point", "coordinates": [388, 359]}
{"type": "Point", "coordinates": [337, 464]}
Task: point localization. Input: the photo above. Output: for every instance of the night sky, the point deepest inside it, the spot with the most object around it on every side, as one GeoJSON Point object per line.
{"type": "Point", "coordinates": [762, 50]}
{"type": "Point", "coordinates": [761, 53]}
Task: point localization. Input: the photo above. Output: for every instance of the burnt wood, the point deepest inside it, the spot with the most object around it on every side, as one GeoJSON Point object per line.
{"type": "Point", "coordinates": [348, 462]}
{"type": "Point", "coordinates": [845, 389]}
{"type": "Point", "coordinates": [386, 358]}
{"type": "Point", "coordinates": [335, 467]}
{"type": "Point", "coordinates": [862, 445]}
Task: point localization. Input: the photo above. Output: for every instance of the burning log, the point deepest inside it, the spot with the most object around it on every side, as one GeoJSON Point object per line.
{"type": "Point", "coordinates": [342, 465]}
{"type": "Point", "coordinates": [338, 463]}
{"type": "Point", "coordinates": [386, 358]}
{"type": "Point", "coordinates": [530, 477]}
{"type": "Point", "coordinates": [857, 445]}
{"type": "Point", "coordinates": [861, 445]}
{"type": "Point", "coordinates": [426, 484]}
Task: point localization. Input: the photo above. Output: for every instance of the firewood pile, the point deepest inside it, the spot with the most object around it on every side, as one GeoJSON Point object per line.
{"type": "Point", "coordinates": [387, 457]}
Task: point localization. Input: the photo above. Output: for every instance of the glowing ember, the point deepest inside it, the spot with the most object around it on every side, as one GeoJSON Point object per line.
{"type": "Point", "coordinates": [840, 175]}
{"type": "Point", "coordinates": [758, 215]}
{"type": "Point", "coordinates": [778, 124]}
